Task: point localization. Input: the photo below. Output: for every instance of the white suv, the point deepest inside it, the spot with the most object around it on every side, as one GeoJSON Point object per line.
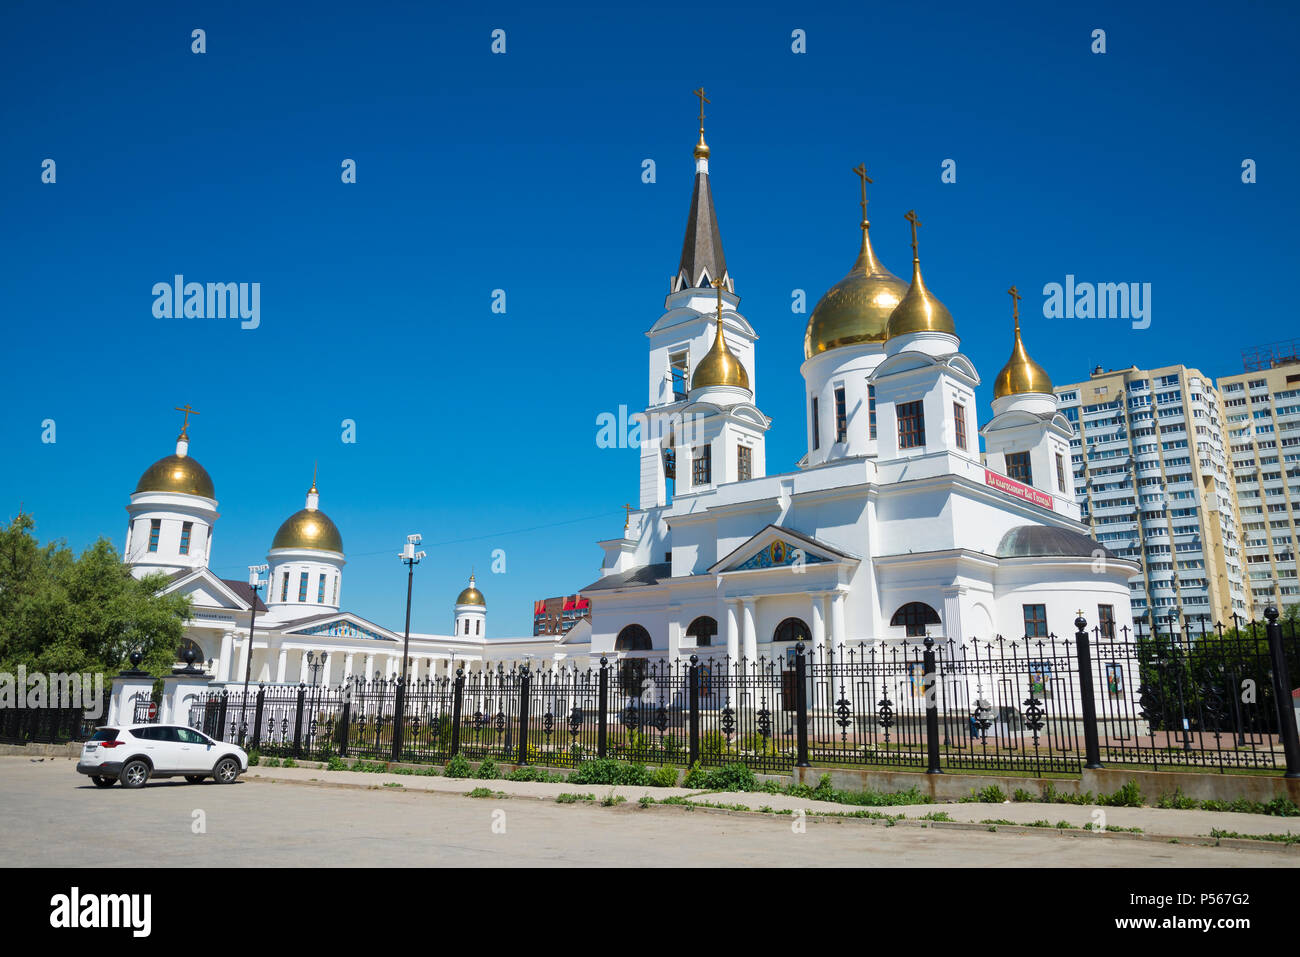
{"type": "Point", "coordinates": [134, 755]}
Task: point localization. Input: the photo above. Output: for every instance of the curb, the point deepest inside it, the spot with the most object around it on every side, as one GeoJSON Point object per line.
{"type": "Point", "coordinates": [1015, 829]}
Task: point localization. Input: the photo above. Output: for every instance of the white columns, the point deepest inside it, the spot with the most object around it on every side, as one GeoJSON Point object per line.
{"type": "Point", "coordinates": [244, 652]}
{"type": "Point", "coordinates": [227, 652]}
{"type": "Point", "coordinates": [347, 666]}
{"type": "Point", "coordinates": [818, 624]}
{"type": "Point", "coordinates": [282, 666]}
{"type": "Point", "coordinates": [370, 668]}
{"type": "Point", "coordinates": [733, 638]}
{"type": "Point", "coordinates": [303, 673]}
{"type": "Point", "coordinates": [837, 624]}
{"type": "Point", "coordinates": [749, 636]}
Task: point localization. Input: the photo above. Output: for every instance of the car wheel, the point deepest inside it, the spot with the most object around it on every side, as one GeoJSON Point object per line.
{"type": "Point", "coordinates": [194, 778]}
{"type": "Point", "coordinates": [103, 782]}
{"type": "Point", "coordinates": [134, 774]}
{"type": "Point", "coordinates": [226, 771]}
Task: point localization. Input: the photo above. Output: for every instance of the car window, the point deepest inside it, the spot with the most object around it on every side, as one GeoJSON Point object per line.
{"type": "Point", "coordinates": [189, 736]}
{"type": "Point", "coordinates": [169, 734]}
{"type": "Point", "coordinates": [151, 734]}
{"type": "Point", "coordinates": [105, 734]}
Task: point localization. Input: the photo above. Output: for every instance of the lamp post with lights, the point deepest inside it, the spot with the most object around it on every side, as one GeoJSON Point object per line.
{"type": "Point", "coordinates": [255, 582]}
{"type": "Point", "coordinates": [410, 558]}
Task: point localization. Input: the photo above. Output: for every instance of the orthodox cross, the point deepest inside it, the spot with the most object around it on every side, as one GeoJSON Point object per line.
{"type": "Point", "coordinates": [1014, 293]}
{"type": "Point", "coordinates": [703, 99]}
{"type": "Point", "coordinates": [861, 170]}
{"type": "Point", "coordinates": [188, 412]}
{"type": "Point", "coordinates": [627, 520]}
{"type": "Point", "coordinates": [718, 284]}
{"type": "Point", "coordinates": [911, 218]}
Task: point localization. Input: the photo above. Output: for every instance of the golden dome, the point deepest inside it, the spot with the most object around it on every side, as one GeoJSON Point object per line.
{"type": "Point", "coordinates": [919, 311]}
{"type": "Point", "coordinates": [720, 366]}
{"type": "Point", "coordinates": [701, 148]}
{"type": "Point", "coordinates": [1021, 373]}
{"type": "Point", "coordinates": [309, 528]}
{"type": "Point", "coordinates": [177, 473]}
{"type": "Point", "coordinates": [471, 595]}
{"type": "Point", "coordinates": [855, 309]}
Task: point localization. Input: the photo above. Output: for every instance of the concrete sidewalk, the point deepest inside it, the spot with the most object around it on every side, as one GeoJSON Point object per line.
{"type": "Point", "coordinates": [1152, 821]}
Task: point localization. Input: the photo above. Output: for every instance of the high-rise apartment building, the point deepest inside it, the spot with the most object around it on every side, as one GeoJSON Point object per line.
{"type": "Point", "coordinates": [1151, 476]}
{"type": "Point", "coordinates": [1262, 416]}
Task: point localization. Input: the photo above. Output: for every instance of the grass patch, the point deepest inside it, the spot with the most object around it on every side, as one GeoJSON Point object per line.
{"type": "Point", "coordinates": [568, 798]}
{"type": "Point", "coordinates": [1276, 838]}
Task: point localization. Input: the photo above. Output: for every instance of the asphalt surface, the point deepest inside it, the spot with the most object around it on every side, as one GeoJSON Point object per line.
{"type": "Point", "coordinates": [52, 816]}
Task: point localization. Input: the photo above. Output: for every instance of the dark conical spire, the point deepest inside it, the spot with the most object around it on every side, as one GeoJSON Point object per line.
{"type": "Point", "coordinates": [702, 257]}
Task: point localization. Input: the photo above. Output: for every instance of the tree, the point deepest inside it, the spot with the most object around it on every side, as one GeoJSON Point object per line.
{"type": "Point", "coordinates": [65, 613]}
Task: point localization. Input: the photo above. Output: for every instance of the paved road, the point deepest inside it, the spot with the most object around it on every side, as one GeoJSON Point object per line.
{"type": "Point", "coordinates": [51, 816]}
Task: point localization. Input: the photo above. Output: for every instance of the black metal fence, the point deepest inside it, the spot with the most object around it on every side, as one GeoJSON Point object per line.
{"type": "Point", "coordinates": [1217, 699]}
{"type": "Point", "coordinates": [43, 725]}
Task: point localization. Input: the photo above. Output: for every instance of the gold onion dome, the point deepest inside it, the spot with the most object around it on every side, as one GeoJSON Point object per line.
{"type": "Point", "coordinates": [857, 308]}
{"type": "Point", "coordinates": [177, 473]}
{"type": "Point", "coordinates": [720, 366]}
{"type": "Point", "coordinates": [309, 528]}
{"type": "Point", "coordinates": [919, 310]}
{"type": "Point", "coordinates": [471, 595]}
{"type": "Point", "coordinates": [1021, 374]}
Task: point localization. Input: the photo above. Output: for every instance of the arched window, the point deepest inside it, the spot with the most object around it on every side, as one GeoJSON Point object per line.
{"type": "Point", "coordinates": [633, 638]}
{"type": "Point", "coordinates": [792, 629]}
{"type": "Point", "coordinates": [914, 616]}
{"type": "Point", "coordinates": [703, 628]}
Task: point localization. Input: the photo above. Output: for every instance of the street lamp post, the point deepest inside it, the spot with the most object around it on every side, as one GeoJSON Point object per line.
{"type": "Point", "coordinates": [255, 582]}
{"type": "Point", "coordinates": [410, 557]}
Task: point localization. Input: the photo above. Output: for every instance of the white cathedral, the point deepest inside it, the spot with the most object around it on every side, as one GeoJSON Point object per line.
{"type": "Point", "coordinates": [893, 526]}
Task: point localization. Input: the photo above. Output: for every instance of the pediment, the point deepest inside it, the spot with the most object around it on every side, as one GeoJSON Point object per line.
{"type": "Point", "coordinates": [778, 547]}
{"type": "Point", "coordinates": [340, 625]}
{"type": "Point", "coordinates": [205, 590]}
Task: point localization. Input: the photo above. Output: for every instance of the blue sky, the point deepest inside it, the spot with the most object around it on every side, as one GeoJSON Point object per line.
{"type": "Point", "coordinates": [523, 172]}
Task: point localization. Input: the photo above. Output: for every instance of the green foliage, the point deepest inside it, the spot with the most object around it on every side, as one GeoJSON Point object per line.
{"type": "Point", "coordinates": [336, 764]}
{"type": "Point", "coordinates": [1022, 795]}
{"type": "Point", "coordinates": [526, 773]}
{"type": "Point", "coordinates": [729, 777]}
{"type": "Point", "coordinates": [270, 762]}
{"type": "Point", "coordinates": [664, 777]}
{"type": "Point", "coordinates": [487, 770]}
{"type": "Point", "coordinates": [1178, 801]}
{"type": "Point", "coordinates": [1279, 838]}
{"type": "Point", "coordinates": [484, 793]}
{"type": "Point", "coordinates": [457, 767]}
{"type": "Point", "coordinates": [289, 763]}
{"type": "Point", "coordinates": [254, 758]}
{"type": "Point", "coordinates": [568, 798]}
{"type": "Point", "coordinates": [609, 771]}
{"type": "Point", "coordinates": [645, 800]}
{"type": "Point", "coordinates": [1129, 795]}
{"type": "Point", "coordinates": [86, 613]}
{"type": "Point", "coordinates": [937, 816]}
{"type": "Point", "coordinates": [695, 777]}
{"type": "Point", "coordinates": [991, 795]}
{"type": "Point", "coordinates": [610, 799]}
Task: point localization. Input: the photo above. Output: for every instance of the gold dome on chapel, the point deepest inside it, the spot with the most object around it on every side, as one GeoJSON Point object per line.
{"type": "Point", "coordinates": [177, 473]}
{"type": "Point", "coordinates": [471, 595]}
{"type": "Point", "coordinates": [309, 528]}
{"type": "Point", "coordinates": [857, 308]}
{"type": "Point", "coordinates": [720, 366]}
{"type": "Point", "coordinates": [919, 310]}
{"type": "Point", "coordinates": [1021, 374]}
